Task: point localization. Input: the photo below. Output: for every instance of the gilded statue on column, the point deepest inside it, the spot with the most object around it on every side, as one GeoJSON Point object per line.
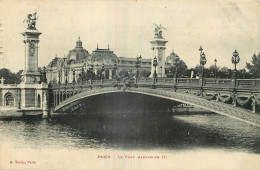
{"type": "Point", "coordinates": [31, 21]}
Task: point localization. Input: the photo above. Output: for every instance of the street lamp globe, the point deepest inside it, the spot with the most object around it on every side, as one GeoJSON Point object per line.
{"type": "Point", "coordinates": [215, 61]}
{"type": "Point", "coordinates": [203, 60]}
{"type": "Point", "coordinates": [235, 60]}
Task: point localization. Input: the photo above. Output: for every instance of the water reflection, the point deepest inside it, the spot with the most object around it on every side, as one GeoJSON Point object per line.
{"type": "Point", "coordinates": [134, 131]}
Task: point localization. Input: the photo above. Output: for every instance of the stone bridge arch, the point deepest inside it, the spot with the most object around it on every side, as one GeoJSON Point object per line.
{"type": "Point", "coordinates": [212, 106]}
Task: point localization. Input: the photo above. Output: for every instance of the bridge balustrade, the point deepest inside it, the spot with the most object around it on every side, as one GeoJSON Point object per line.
{"type": "Point", "coordinates": [241, 83]}
{"type": "Point", "coordinates": [224, 82]}
{"type": "Point", "coordinates": [207, 82]}
{"type": "Point", "coordinates": [210, 81]}
{"type": "Point", "coordinates": [145, 80]}
{"type": "Point", "coordinates": [248, 83]}
{"type": "Point", "coordinates": [210, 88]}
{"type": "Point", "coordinates": [183, 81]}
{"type": "Point", "coordinates": [194, 81]}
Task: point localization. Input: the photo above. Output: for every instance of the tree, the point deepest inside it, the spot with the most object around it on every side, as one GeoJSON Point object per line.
{"type": "Point", "coordinates": [225, 72]}
{"type": "Point", "coordinates": [123, 73]}
{"type": "Point", "coordinates": [254, 68]}
{"type": "Point", "coordinates": [181, 69]}
{"type": "Point", "coordinates": [18, 76]}
{"type": "Point", "coordinates": [196, 71]}
{"type": "Point", "coordinates": [210, 71]}
{"type": "Point", "coordinates": [144, 73]}
{"type": "Point", "coordinates": [10, 78]}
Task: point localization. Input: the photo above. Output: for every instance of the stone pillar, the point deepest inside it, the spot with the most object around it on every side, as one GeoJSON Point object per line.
{"type": "Point", "coordinates": [60, 97]}
{"type": "Point", "coordinates": [158, 47]}
{"type": "Point", "coordinates": [54, 95]}
{"type": "Point", "coordinates": [31, 74]}
{"type": "Point", "coordinates": [110, 74]}
{"type": "Point", "coordinates": [57, 98]}
{"type": "Point", "coordinates": [36, 99]}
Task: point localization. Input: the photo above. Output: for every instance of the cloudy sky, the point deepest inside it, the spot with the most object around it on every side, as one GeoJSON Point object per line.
{"type": "Point", "coordinates": [218, 26]}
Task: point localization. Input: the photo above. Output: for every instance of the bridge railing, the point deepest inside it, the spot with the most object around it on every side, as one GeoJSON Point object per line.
{"type": "Point", "coordinates": [193, 82]}
{"type": "Point", "coordinates": [207, 87]}
{"type": "Point", "coordinates": [248, 83]}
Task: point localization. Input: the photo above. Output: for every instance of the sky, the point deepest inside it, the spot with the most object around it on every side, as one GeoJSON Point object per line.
{"type": "Point", "coordinates": [218, 26]}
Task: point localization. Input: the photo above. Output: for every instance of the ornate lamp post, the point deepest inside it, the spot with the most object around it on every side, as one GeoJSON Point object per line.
{"type": "Point", "coordinates": [235, 60]}
{"type": "Point", "coordinates": [203, 61]}
{"type": "Point", "coordinates": [138, 65]}
{"type": "Point", "coordinates": [215, 61]}
{"type": "Point", "coordinates": [65, 66]}
{"type": "Point", "coordinates": [155, 63]}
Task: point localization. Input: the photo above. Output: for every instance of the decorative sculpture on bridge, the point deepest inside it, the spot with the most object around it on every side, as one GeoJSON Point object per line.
{"type": "Point", "coordinates": [158, 31]}
{"type": "Point", "coordinates": [31, 21]}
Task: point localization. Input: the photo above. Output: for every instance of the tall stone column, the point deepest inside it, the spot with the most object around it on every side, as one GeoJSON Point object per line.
{"type": "Point", "coordinates": [158, 48]}
{"type": "Point", "coordinates": [30, 74]}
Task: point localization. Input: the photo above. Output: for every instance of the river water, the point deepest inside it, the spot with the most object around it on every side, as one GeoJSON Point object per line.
{"type": "Point", "coordinates": [134, 131]}
{"type": "Point", "coordinates": [130, 140]}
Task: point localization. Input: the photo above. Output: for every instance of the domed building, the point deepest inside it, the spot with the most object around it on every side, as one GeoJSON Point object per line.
{"type": "Point", "coordinates": [105, 56]}
{"type": "Point", "coordinates": [62, 68]}
{"type": "Point", "coordinates": [78, 54]}
{"type": "Point", "coordinates": [170, 59]}
{"type": "Point", "coordinates": [79, 61]}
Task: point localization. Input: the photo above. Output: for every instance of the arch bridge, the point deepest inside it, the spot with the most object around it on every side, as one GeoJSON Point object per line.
{"type": "Point", "coordinates": [237, 99]}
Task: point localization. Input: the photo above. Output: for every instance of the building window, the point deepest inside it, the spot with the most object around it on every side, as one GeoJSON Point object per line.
{"type": "Point", "coordinates": [107, 74]}
{"type": "Point", "coordinates": [9, 99]}
{"type": "Point", "coordinates": [39, 101]}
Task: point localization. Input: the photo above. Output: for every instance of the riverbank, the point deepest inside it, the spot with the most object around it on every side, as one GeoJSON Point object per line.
{"type": "Point", "coordinates": [7, 113]}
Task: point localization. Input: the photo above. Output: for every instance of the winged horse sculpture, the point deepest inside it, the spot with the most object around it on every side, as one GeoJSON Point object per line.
{"type": "Point", "coordinates": [158, 30]}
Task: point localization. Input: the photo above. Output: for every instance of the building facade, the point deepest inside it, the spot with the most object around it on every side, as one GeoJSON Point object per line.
{"type": "Point", "coordinates": [79, 59]}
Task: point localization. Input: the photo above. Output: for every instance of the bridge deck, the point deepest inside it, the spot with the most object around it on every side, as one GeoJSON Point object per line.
{"type": "Point", "coordinates": [211, 105]}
